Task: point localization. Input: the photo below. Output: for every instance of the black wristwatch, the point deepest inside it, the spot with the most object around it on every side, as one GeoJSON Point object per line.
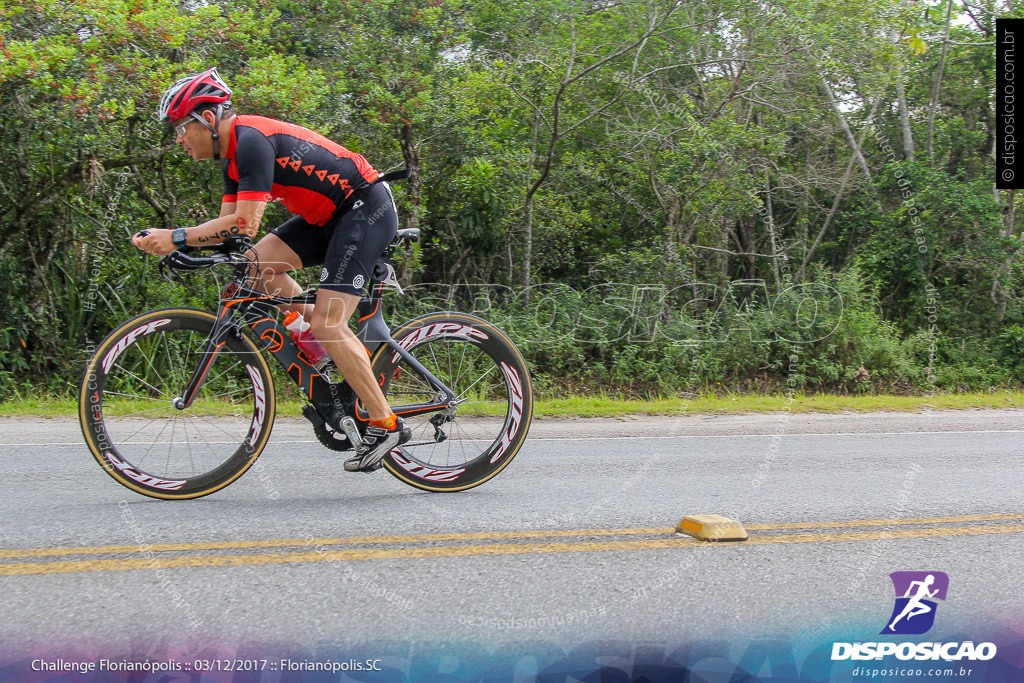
{"type": "Point", "coordinates": [178, 237]}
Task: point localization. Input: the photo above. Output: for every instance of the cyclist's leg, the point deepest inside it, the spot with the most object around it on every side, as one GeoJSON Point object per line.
{"type": "Point", "coordinates": [358, 239]}
{"type": "Point", "coordinates": [294, 244]}
{"type": "Point", "coordinates": [385, 430]}
{"type": "Point", "coordinates": [329, 325]}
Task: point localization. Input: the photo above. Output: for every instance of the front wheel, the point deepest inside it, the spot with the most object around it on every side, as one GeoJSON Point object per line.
{"type": "Point", "coordinates": [129, 396]}
{"type": "Point", "coordinates": [466, 444]}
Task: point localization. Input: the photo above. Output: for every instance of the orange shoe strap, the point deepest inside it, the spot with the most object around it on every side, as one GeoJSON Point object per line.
{"type": "Point", "coordinates": [389, 423]}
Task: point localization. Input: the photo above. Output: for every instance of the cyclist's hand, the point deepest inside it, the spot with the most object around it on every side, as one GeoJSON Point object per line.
{"type": "Point", "coordinates": [154, 241]}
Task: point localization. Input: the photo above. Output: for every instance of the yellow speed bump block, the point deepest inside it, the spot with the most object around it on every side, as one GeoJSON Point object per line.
{"type": "Point", "coordinates": [712, 528]}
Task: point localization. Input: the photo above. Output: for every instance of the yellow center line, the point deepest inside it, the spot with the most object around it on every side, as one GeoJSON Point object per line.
{"type": "Point", "coordinates": [474, 536]}
{"type": "Point", "coordinates": [354, 540]}
{"type": "Point", "coordinates": [479, 550]}
{"type": "Point", "coordinates": [883, 522]}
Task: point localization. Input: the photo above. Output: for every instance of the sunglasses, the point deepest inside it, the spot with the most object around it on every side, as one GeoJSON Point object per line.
{"type": "Point", "coordinates": [180, 128]}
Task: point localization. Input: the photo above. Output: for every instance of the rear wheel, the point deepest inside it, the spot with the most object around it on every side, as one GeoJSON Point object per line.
{"type": "Point", "coordinates": [466, 444]}
{"type": "Point", "coordinates": [128, 414]}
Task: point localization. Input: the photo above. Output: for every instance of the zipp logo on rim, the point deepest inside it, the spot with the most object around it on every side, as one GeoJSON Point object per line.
{"type": "Point", "coordinates": [144, 479]}
{"type": "Point", "coordinates": [441, 330]}
{"type": "Point", "coordinates": [516, 411]}
{"type": "Point", "coordinates": [424, 472]}
{"type": "Point", "coordinates": [128, 339]}
{"type": "Point", "coordinates": [261, 403]}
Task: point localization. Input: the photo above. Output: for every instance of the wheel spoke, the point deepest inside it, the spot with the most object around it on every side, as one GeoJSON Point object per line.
{"type": "Point", "coordinates": [133, 375]}
{"type": "Point", "coordinates": [141, 412]}
{"type": "Point", "coordinates": [188, 445]}
{"type": "Point", "coordinates": [489, 371]}
{"type": "Point", "coordinates": [153, 445]}
{"type": "Point", "coordinates": [462, 360]}
{"type": "Point", "coordinates": [206, 419]}
{"type": "Point", "coordinates": [139, 397]}
{"type": "Point", "coordinates": [133, 434]}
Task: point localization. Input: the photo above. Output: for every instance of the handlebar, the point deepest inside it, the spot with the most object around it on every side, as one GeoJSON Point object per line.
{"type": "Point", "coordinates": [230, 250]}
{"type": "Point", "coordinates": [180, 260]}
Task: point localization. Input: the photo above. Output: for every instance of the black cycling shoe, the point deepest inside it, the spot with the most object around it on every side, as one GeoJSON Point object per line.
{"type": "Point", "coordinates": [377, 442]}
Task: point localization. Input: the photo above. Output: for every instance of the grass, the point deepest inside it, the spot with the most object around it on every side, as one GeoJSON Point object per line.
{"type": "Point", "coordinates": [603, 406]}
{"type": "Point", "coordinates": [583, 406]}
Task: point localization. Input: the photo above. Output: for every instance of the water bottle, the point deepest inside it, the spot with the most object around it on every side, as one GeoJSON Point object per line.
{"type": "Point", "coordinates": [305, 340]}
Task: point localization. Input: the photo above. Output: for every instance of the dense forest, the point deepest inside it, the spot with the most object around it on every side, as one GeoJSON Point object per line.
{"type": "Point", "coordinates": [653, 197]}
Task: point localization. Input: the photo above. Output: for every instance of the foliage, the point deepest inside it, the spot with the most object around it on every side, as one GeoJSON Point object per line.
{"type": "Point", "coordinates": [747, 197]}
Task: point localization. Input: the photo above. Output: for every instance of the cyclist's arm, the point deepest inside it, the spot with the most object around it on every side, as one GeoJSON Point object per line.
{"type": "Point", "coordinates": [244, 199]}
{"type": "Point", "coordinates": [241, 217]}
{"type": "Point", "coordinates": [242, 204]}
{"type": "Point", "coordinates": [244, 219]}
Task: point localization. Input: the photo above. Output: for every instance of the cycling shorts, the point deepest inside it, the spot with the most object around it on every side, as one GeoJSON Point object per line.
{"type": "Point", "coordinates": [349, 244]}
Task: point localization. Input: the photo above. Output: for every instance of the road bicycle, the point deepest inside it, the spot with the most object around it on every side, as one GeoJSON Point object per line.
{"type": "Point", "coordinates": [177, 403]}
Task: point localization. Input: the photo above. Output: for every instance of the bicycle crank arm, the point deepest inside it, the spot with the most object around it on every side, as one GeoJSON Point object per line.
{"type": "Point", "coordinates": [348, 425]}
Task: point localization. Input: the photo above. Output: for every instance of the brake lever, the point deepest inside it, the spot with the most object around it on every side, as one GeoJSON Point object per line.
{"type": "Point", "coordinates": [165, 273]}
{"type": "Point", "coordinates": [180, 261]}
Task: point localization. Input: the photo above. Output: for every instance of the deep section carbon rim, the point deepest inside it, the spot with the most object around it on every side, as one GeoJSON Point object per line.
{"type": "Point", "coordinates": [468, 443]}
{"type": "Point", "coordinates": [142, 439]}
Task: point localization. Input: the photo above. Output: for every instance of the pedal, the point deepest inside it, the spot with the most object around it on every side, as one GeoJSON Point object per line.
{"type": "Point", "coordinates": [348, 425]}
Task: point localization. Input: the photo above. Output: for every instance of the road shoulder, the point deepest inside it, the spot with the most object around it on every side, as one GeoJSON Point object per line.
{"type": "Point", "coordinates": [62, 430]}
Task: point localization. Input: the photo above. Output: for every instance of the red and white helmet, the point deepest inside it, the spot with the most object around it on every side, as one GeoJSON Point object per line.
{"type": "Point", "coordinates": [188, 93]}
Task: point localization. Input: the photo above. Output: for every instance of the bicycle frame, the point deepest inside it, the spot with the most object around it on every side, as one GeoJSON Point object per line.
{"type": "Point", "coordinates": [242, 305]}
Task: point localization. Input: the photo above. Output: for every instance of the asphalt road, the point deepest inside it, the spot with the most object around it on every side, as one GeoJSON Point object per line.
{"type": "Point", "coordinates": [572, 543]}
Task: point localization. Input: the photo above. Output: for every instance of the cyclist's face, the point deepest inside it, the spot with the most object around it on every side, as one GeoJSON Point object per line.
{"type": "Point", "coordinates": [194, 138]}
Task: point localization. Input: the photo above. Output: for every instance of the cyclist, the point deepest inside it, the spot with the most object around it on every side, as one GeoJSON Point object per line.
{"type": "Point", "coordinates": [345, 218]}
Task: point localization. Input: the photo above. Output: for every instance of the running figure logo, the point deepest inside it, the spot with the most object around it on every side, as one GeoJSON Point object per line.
{"type": "Point", "coordinates": [916, 592]}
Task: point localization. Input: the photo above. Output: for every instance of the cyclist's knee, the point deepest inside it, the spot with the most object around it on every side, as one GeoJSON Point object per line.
{"type": "Point", "coordinates": [329, 325]}
{"type": "Point", "coordinates": [335, 307]}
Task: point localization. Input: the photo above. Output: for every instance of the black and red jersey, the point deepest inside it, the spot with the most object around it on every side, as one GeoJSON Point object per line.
{"type": "Point", "coordinates": [269, 160]}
